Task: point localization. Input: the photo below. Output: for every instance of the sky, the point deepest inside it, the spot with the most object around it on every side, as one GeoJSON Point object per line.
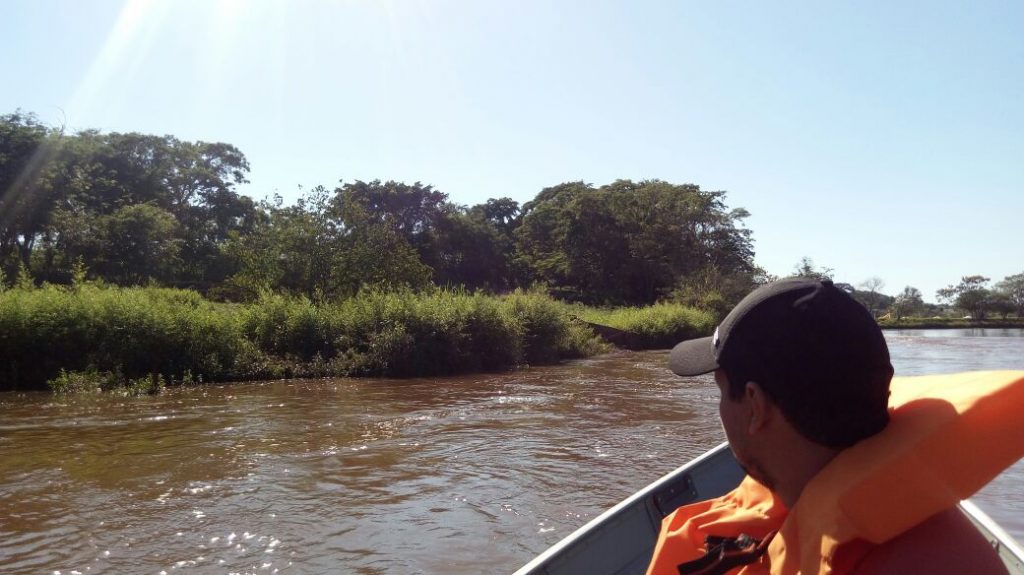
{"type": "Point", "coordinates": [880, 139]}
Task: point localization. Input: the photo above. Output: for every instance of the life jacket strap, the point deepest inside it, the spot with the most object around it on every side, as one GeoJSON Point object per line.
{"type": "Point", "coordinates": [726, 553]}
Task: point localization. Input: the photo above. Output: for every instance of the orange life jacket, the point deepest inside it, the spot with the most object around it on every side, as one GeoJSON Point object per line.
{"type": "Point", "coordinates": [949, 435]}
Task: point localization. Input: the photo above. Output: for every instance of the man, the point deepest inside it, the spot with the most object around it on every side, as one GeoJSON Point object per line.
{"type": "Point", "coordinates": [804, 373]}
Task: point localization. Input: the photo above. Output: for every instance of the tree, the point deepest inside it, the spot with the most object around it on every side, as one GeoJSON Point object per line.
{"type": "Point", "coordinates": [717, 292]}
{"type": "Point", "coordinates": [872, 284]}
{"type": "Point", "coordinates": [542, 237]}
{"type": "Point", "coordinates": [502, 213]}
{"type": "Point", "coordinates": [908, 303]}
{"type": "Point", "coordinates": [870, 297]}
{"type": "Point", "coordinates": [28, 150]}
{"type": "Point", "coordinates": [314, 250]}
{"type": "Point", "coordinates": [74, 236]}
{"type": "Point", "coordinates": [970, 295]}
{"type": "Point", "coordinates": [805, 269]}
{"type": "Point", "coordinates": [56, 188]}
{"type": "Point", "coordinates": [1013, 288]}
{"type": "Point", "coordinates": [193, 181]}
{"type": "Point", "coordinates": [143, 244]}
{"type": "Point", "coordinates": [630, 243]}
{"type": "Point", "coordinates": [1000, 303]}
{"type": "Point", "coordinates": [412, 211]}
{"type": "Point", "coordinates": [473, 251]}
{"type": "Point", "coordinates": [375, 254]}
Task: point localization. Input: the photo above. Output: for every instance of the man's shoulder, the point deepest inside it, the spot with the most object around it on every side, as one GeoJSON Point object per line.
{"type": "Point", "coordinates": [947, 542]}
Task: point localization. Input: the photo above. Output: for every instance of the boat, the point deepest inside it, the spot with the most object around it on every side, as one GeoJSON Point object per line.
{"type": "Point", "coordinates": [621, 540]}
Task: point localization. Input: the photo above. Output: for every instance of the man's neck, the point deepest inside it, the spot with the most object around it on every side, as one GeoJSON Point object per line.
{"type": "Point", "coordinates": [798, 466]}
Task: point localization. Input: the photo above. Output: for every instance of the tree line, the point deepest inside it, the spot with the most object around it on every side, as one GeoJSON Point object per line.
{"type": "Point", "coordinates": [971, 296]}
{"type": "Point", "coordinates": [138, 209]}
{"type": "Point", "coordinates": [974, 296]}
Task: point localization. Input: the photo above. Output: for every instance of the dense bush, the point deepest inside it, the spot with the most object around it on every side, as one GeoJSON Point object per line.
{"type": "Point", "coordinates": [404, 333]}
{"type": "Point", "coordinates": [135, 331]}
{"type": "Point", "coordinates": [426, 334]}
{"type": "Point", "coordinates": [136, 340]}
{"type": "Point", "coordinates": [548, 330]}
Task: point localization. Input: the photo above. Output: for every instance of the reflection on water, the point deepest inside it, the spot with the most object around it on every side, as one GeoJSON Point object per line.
{"type": "Point", "coordinates": [456, 475]}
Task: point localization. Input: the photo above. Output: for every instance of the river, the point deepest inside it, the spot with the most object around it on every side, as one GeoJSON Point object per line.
{"type": "Point", "coordinates": [473, 474]}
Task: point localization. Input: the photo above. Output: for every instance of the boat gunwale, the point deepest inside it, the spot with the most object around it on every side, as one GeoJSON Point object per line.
{"type": "Point", "coordinates": [1007, 547]}
{"type": "Point", "coordinates": [580, 533]}
{"type": "Point", "coordinates": [1003, 542]}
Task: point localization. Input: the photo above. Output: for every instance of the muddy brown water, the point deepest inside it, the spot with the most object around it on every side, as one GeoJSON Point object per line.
{"type": "Point", "coordinates": [472, 474]}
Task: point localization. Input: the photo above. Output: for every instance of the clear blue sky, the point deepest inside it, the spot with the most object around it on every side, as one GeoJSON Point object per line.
{"type": "Point", "coordinates": [878, 138]}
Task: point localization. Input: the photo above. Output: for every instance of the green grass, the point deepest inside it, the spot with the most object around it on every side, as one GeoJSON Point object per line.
{"type": "Point", "coordinates": [658, 326]}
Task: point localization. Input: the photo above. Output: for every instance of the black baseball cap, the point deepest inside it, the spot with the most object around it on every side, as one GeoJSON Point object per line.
{"type": "Point", "coordinates": [806, 324]}
{"type": "Point", "coordinates": [814, 350]}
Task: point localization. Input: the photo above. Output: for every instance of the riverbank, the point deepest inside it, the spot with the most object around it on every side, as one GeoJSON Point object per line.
{"type": "Point", "coordinates": [139, 340]}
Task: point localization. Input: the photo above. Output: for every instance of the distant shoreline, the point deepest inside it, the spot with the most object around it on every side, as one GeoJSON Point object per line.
{"type": "Point", "coordinates": [933, 323]}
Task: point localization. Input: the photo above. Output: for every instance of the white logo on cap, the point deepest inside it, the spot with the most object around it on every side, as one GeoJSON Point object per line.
{"type": "Point", "coordinates": [714, 340]}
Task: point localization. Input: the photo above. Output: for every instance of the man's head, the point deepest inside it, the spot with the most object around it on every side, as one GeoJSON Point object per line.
{"type": "Point", "coordinates": [815, 352]}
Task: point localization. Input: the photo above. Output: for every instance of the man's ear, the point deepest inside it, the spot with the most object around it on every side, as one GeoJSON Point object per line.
{"type": "Point", "coordinates": [761, 406]}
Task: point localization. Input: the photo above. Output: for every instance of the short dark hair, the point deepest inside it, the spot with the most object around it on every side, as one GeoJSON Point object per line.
{"type": "Point", "coordinates": [818, 411]}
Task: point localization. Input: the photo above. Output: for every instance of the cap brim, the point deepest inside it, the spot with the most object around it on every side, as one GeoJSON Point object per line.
{"type": "Point", "coordinates": [693, 357]}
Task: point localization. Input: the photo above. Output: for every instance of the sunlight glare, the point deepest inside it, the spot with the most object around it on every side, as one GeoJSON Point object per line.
{"type": "Point", "coordinates": [124, 52]}
{"type": "Point", "coordinates": [127, 46]}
